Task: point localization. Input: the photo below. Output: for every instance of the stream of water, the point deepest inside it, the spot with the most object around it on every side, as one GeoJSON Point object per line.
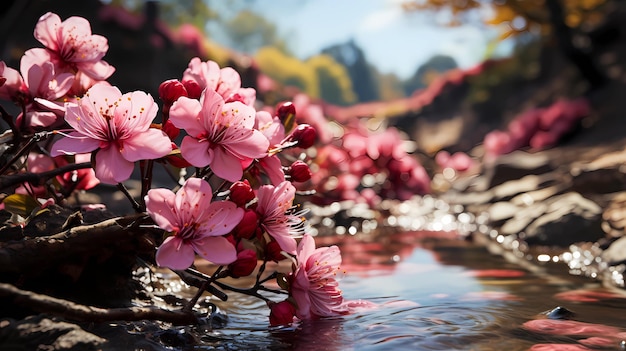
{"type": "Point", "coordinates": [435, 291]}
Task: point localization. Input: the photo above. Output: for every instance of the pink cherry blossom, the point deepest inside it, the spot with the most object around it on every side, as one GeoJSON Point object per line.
{"type": "Point", "coordinates": [220, 135]}
{"type": "Point", "coordinates": [270, 126]}
{"type": "Point", "coordinates": [72, 46]}
{"type": "Point", "coordinates": [197, 224]}
{"type": "Point", "coordinates": [274, 208]}
{"type": "Point", "coordinates": [459, 161]}
{"type": "Point", "coordinates": [315, 287]}
{"type": "Point", "coordinates": [225, 81]}
{"type": "Point", "coordinates": [36, 88]}
{"type": "Point", "coordinates": [13, 86]}
{"type": "Point", "coordinates": [274, 131]}
{"type": "Point", "coordinates": [40, 76]}
{"type": "Point", "coordinates": [118, 127]}
{"type": "Point", "coordinates": [45, 85]}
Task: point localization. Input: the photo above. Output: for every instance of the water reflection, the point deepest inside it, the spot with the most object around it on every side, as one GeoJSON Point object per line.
{"type": "Point", "coordinates": [435, 291]}
{"type": "Point", "coordinates": [463, 298]}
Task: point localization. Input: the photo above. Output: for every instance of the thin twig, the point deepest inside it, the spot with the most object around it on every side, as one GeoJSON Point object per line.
{"type": "Point", "coordinates": [146, 179]}
{"type": "Point", "coordinates": [24, 149]}
{"type": "Point", "coordinates": [136, 206]}
{"type": "Point", "coordinates": [195, 278]}
{"type": "Point", "coordinates": [17, 135]}
{"type": "Point", "coordinates": [83, 313]}
{"type": "Point", "coordinates": [201, 289]}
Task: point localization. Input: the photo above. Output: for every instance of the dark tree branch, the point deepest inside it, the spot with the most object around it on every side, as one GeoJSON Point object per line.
{"type": "Point", "coordinates": [33, 254]}
{"type": "Point", "coordinates": [83, 313]}
{"type": "Point", "coordinates": [578, 57]}
{"type": "Point", "coordinates": [39, 178]}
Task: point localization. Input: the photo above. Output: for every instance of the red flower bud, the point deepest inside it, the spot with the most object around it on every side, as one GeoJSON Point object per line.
{"type": "Point", "coordinates": [193, 89]}
{"type": "Point", "coordinates": [169, 129]}
{"type": "Point", "coordinates": [241, 193]}
{"type": "Point", "coordinates": [247, 226]}
{"type": "Point", "coordinates": [282, 313]}
{"type": "Point", "coordinates": [274, 252]}
{"type": "Point", "coordinates": [171, 90]}
{"type": "Point", "coordinates": [300, 171]}
{"type": "Point", "coordinates": [244, 265]}
{"type": "Point", "coordinates": [304, 135]}
{"type": "Point", "coordinates": [286, 112]}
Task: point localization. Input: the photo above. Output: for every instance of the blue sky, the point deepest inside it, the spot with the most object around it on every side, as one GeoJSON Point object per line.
{"type": "Point", "coordinates": [393, 40]}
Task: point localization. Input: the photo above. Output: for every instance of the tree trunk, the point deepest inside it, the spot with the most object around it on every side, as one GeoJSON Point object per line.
{"type": "Point", "coordinates": [563, 34]}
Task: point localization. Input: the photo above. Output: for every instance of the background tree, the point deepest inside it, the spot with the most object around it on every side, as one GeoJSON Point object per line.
{"type": "Point", "coordinates": [428, 71]}
{"type": "Point", "coordinates": [335, 85]}
{"type": "Point", "coordinates": [563, 21]}
{"type": "Point", "coordinates": [390, 87]}
{"type": "Point", "coordinates": [176, 12]}
{"type": "Point", "coordinates": [248, 32]}
{"type": "Point", "coordinates": [288, 70]}
{"type": "Point", "coordinates": [352, 57]}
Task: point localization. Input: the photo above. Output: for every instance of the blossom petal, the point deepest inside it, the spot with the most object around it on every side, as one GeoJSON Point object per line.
{"type": "Point", "coordinates": [212, 108]}
{"type": "Point", "coordinates": [99, 70]}
{"type": "Point", "coordinates": [229, 81]}
{"type": "Point", "coordinates": [225, 165]}
{"type": "Point", "coordinates": [74, 143]}
{"type": "Point", "coordinates": [13, 82]}
{"type": "Point", "coordinates": [100, 100]}
{"type": "Point", "coordinates": [185, 114]}
{"type": "Point", "coordinates": [252, 145]}
{"type": "Point", "coordinates": [220, 218]}
{"type": "Point", "coordinates": [196, 152]}
{"type": "Point", "coordinates": [40, 119]}
{"type": "Point", "coordinates": [149, 145]}
{"type": "Point", "coordinates": [160, 206]}
{"type": "Point", "coordinates": [47, 29]}
{"type": "Point", "coordinates": [111, 166]}
{"type": "Point", "coordinates": [272, 166]}
{"type": "Point", "coordinates": [135, 111]}
{"type": "Point", "coordinates": [52, 106]}
{"type": "Point", "coordinates": [304, 303]}
{"type": "Point", "coordinates": [193, 198]}
{"type": "Point", "coordinates": [216, 249]}
{"type": "Point", "coordinates": [76, 35]}
{"type": "Point", "coordinates": [305, 248]}
{"type": "Point", "coordinates": [280, 233]}
{"type": "Point", "coordinates": [175, 254]}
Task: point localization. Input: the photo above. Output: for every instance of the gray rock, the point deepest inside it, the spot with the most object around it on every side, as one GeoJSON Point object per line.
{"type": "Point", "coordinates": [532, 197]}
{"type": "Point", "coordinates": [599, 181]}
{"type": "Point", "coordinates": [502, 211]}
{"type": "Point", "coordinates": [569, 218]}
{"type": "Point", "coordinates": [43, 333]}
{"type": "Point", "coordinates": [525, 184]}
{"type": "Point", "coordinates": [515, 166]}
{"type": "Point", "coordinates": [616, 253]}
{"type": "Point", "coordinates": [523, 218]}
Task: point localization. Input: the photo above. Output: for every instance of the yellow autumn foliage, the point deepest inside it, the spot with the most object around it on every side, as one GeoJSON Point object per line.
{"type": "Point", "coordinates": [288, 70]}
{"type": "Point", "coordinates": [335, 85]}
{"type": "Point", "coordinates": [514, 16]}
{"type": "Point", "coordinates": [320, 76]}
